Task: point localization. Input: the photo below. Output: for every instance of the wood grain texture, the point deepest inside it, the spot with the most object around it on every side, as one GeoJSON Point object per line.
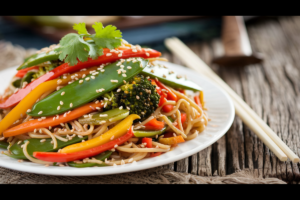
{"type": "Point", "coordinates": [271, 88]}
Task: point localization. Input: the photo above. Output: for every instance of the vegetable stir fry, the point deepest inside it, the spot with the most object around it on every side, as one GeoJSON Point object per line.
{"type": "Point", "coordinates": [94, 100]}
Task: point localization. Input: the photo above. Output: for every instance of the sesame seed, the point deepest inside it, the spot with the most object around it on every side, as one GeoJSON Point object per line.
{"type": "Point", "coordinates": [83, 76]}
{"type": "Point", "coordinates": [143, 113]}
{"type": "Point", "coordinates": [147, 54]}
{"type": "Point", "coordinates": [71, 105]}
{"type": "Point", "coordinates": [57, 116]}
{"type": "Point", "coordinates": [103, 115]}
{"type": "Point", "coordinates": [58, 107]}
{"type": "Point", "coordinates": [80, 136]}
{"type": "Point", "coordinates": [178, 76]}
{"type": "Point", "coordinates": [43, 140]}
{"type": "Point", "coordinates": [40, 131]}
{"type": "Point", "coordinates": [128, 108]}
{"type": "Point", "coordinates": [137, 97]}
{"type": "Point", "coordinates": [19, 142]}
{"type": "Point", "coordinates": [59, 81]}
{"type": "Point", "coordinates": [114, 81]}
{"type": "Point", "coordinates": [93, 77]}
{"type": "Point", "coordinates": [122, 162]}
{"type": "Point", "coordinates": [64, 77]}
{"type": "Point", "coordinates": [34, 130]}
{"type": "Point", "coordinates": [102, 70]}
{"type": "Point", "coordinates": [121, 107]}
{"type": "Point", "coordinates": [122, 66]}
{"type": "Point", "coordinates": [87, 79]}
{"type": "Point", "coordinates": [164, 76]}
{"type": "Point", "coordinates": [124, 75]}
{"type": "Point", "coordinates": [97, 102]}
{"type": "Point", "coordinates": [62, 94]}
{"type": "Point", "coordinates": [116, 146]}
{"type": "Point", "coordinates": [108, 54]}
{"type": "Point", "coordinates": [98, 108]}
{"type": "Point", "coordinates": [61, 103]}
{"type": "Point", "coordinates": [128, 67]}
{"type": "Point", "coordinates": [124, 81]}
{"type": "Point", "coordinates": [50, 127]}
{"type": "Point", "coordinates": [152, 71]}
{"type": "Point", "coordinates": [130, 160]}
{"type": "Point", "coordinates": [65, 114]}
{"type": "Point", "coordinates": [102, 122]}
{"type": "Point", "coordinates": [20, 160]}
{"type": "Point", "coordinates": [119, 90]}
{"type": "Point", "coordinates": [120, 55]}
{"type": "Point", "coordinates": [141, 65]}
{"type": "Point", "coordinates": [39, 119]}
{"type": "Point", "coordinates": [81, 81]}
{"type": "Point", "coordinates": [29, 110]}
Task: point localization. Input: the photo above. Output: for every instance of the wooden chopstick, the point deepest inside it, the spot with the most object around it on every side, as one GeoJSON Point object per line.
{"type": "Point", "coordinates": [249, 117]}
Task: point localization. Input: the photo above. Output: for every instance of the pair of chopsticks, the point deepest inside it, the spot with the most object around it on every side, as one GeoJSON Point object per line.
{"type": "Point", "coordinates": [248, 116]}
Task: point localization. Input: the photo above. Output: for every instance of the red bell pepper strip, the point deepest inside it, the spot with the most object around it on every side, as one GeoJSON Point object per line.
{"type": "Point", "coordinates": [169, 134]}
{"type": "Point", "coordinates": [22, 72]}
{"type": "Point", "coordinates": [148, 142]}
{"type": "Point", "coordinates": [65, 68]}
{"type": "Point", "coordinates": [154, 125]}
{"type": "Point", "coordinates": [181, 91]}
{"type": "Point", "coordinates": [197, 101]}
{"type": "Point", "coordinates": [183, 117]}
{"type": "Point", "coordinates": [170, 94]}
{"type": "Point", "coordinates": [155, 154]}
{"type": "Point", "coordinates": [67, 157]}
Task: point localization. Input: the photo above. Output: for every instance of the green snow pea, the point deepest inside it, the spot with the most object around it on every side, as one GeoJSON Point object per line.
{"type": "Point", "coordinates": [36, 59]}
{"type": "Point", "coordinates": [27, 78]}
{"type": "Point", "coordinates": [169, 78]}
{"type": "Point", "coordinates": [87, 89]}
{"type": "Point", "coordinates": [141, 133]}
{"type": "Point", "coordinates": [37, 145]}
{"type": "Point", "coordinates": [100, 156]}
{"type": "Point", "coordinates": [111, 116]}
{"type": "Point", "coordinates": [17, 83]}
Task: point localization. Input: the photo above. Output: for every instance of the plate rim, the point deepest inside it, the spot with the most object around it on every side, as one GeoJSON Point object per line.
{"type": "Point", "coordinates": [121, 169]}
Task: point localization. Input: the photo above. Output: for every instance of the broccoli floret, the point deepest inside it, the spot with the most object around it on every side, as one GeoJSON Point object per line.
{"type": "Point", "coordinates": [140, 96]}
{"type": "Point", "coordinates": [111, 99]}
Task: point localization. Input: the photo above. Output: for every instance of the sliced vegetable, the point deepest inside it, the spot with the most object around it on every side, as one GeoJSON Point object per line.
{"type": "Point", "coordinates": [3, 145]}
{"type": "Point", "coordinates": [154, 124]}
{"type": "Point", "coordinates": [85, 90]}
{"type": "Point", "coordinates": [21, 73]}
{"type": "Point", "coordinates": [37, 145]}
{"type": "Point", "coordinates": [117, 131]}
{"type": "Point", "coordinates": [155, 154]}
{"type": "Point", "coordinates": [170, 78]}
{"type": "Point", "coordinates": [101, 156]}
{"type": "Point", "coordinates": [162, 100]}
{"type": "Point", "coordinates": [111, 116]}
{"type": "Point", "coordinates": [65, 68]}
{"type": "Point", "coordinates": [21, 109]}
{"type": "Point", "coordinates": [50, 121]}
{"type": "Point", "coordinates": [148, 142]}
{"type": "Point", "coordinates": [171, 140]}
{"type": "Point", "coordinates": [17, 83]}
{"type": "Point", "coordinates": [67, 157]}
{"type": "Point", "coordinates": [170, 94]}
{"type": "Point", "coordinates": [142, 133]}
{"type": "Point", "coordinates": [39, 58]}
{"type": "Point", "coordinates": [27, 78]}
{"type": "Point", "coordinates": [197, 101]}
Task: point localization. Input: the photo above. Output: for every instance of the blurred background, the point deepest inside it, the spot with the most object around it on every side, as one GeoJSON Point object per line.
{"type": "Point", "coordinates": [41, 31]}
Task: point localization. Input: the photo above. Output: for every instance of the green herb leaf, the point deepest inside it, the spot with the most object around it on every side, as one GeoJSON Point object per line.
{"type": "Point", "coordinates": [80, 28]}
{"type": "Point", "coordinates": [107, 37]}
{"type": "Point", "coordinates": [73, 46]}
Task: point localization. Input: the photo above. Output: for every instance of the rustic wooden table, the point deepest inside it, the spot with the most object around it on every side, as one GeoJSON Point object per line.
{"type": "Point", "coordinates": [272, 89]}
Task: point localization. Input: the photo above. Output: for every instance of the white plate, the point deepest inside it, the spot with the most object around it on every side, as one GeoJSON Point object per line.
{"type": "Point", "coordinates": [220, 111]}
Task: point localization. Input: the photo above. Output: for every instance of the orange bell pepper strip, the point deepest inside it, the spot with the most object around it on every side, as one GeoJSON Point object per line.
{"type": "Point", "coordinates": [171, 140]}
{"type": "Point", "coordinates": [67, 157]}
{"type": "Point", "coordinates": [154, 124]}
{"type": "Point", "coordinates": [197, 101]}
{"type": "Point", "coordinates": [51, 121]}
{"type": "Point", "coordinates": [117, 131]}
{"type": "Point", "coordinates": [27, 103]}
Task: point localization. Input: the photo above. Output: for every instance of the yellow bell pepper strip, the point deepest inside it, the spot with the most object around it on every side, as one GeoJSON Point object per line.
{"type": "Point", "coordinates": [119, 130]}
{"type": "Point", "coordinates": [171, 140]}
{"type": "Point", "coordinates": [20, 110]}
{"type": "Point", "coordinates": [51, 121]}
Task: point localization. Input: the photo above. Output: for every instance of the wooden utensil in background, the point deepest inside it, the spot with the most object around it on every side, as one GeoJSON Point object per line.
{"type": "Point", "coordinates": [236, 44]}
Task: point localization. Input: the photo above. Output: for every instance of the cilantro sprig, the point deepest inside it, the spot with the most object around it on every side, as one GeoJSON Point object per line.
{"type": "Point", "coordinates": [83, 45]}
